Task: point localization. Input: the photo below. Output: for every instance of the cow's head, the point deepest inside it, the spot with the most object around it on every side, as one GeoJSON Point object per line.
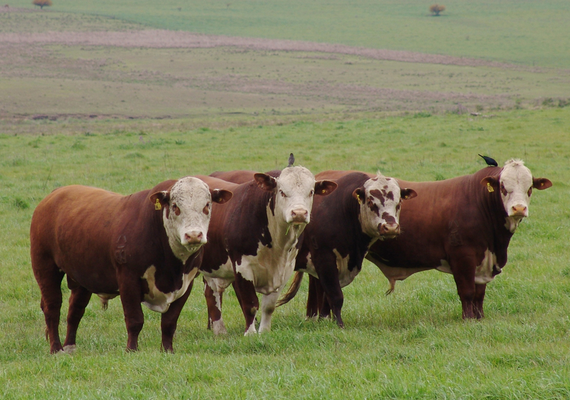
{"type": "Point", "coordinates": [294, 190]}
{"type": "Point", "coordinates": [186, 209]}
{"type": "Point", "coordinates": [515, 184]}
{"type": "Point", "coordinates": [380, 202]}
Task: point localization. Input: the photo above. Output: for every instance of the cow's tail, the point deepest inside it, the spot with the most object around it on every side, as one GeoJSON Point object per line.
{"type": "Point", "coordinates": [293, 289]}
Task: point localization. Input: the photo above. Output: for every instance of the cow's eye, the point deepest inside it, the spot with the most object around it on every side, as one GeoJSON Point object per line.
{"type": "Point", "coordinates": [176, 209]}
{"type": "Point", "coordinates": [282, 194]}
{"type": "Point", "coordinates": [529, 191]}
{"type": "Point", "coordinates": [503, 189]}
{"type": "Point", "coordinates": [312, 192]}
{"type": "Point", "coordinates": [206, 209]}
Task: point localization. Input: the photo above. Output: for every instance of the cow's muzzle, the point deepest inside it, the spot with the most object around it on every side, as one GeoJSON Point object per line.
{"type": "Point", "coordinates": [519, 210]}
{"type": "Point", "coordinates": [299, 216]}
{"type": "Point", "coordinates": [194, 238]}
{"type": "Point", "coordinates": [389, 230]}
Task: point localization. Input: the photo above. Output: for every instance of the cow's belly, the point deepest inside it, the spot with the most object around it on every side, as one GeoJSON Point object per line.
{"type": "Point", "coordinates": [160, 301]}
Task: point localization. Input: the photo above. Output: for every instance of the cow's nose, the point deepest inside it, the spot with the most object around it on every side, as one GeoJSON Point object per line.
{"type": "Point", "coordinates": [299, 215]}
{"type": "Point", "coordinates": [519, 210]}
{"type": "Point", "coordinates": [194, 237]}
{"type": "Point", "coordinates": [389, 230]}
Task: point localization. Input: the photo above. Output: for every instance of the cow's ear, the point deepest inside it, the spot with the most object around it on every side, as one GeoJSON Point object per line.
{"type": "Point", "coordinates": [160, 199]}
{"type": "Point", "coordinates": [359, 194]}
{"type": "Point", "coordinates": [221, 196]}
{"type": "Point", "coordinates": [407, 194]}
{"type": "Point", "coordinates": [491, 182]}
{"type": "Point", "coordinates": [541, 183]}
{"type": "Point", "coordinates": [265, 182]}
{"type": "Point", "coordinates": [324, 188]}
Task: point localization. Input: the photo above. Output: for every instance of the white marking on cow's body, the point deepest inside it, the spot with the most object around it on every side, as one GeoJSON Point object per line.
{"type": "Point", "coordinates": [184, 219]}
{"type": "Point", "coordinates": [484, 271]}
{"type": "Point", "coordinates": [345, 277]}
{"type": "Point", "coordinates": [218, 327]}
{"type": "Point", "coordinates": [159, 301]}
{"type": "Point", "coordinates": [444, 267]}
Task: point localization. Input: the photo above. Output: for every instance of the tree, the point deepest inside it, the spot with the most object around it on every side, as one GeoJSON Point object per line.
{"type": "Point", "coordinates": [42, 3]}
{"type": "Point", "coordinates": [436, 9]}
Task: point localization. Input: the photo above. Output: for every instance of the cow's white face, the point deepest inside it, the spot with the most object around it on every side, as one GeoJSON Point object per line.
{"type": "Point", "coordinates": [380, 203]}
{"type": "Point", "coordinates": [515, 185]}
{"type": "Point", "coordinates": [186, 210]}
{"type": "Point", "coordinates": [294, 192]}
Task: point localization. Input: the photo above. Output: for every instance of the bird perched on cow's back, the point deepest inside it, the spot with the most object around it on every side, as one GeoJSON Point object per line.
{"type": "Point", "coordinates": [490, 162]}
{"type": "Point", "coordinates": [291, 160]}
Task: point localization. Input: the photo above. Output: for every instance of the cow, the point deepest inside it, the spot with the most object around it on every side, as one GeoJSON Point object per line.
{"type": "Point", "coordinates": [364, 208]}
{"type": "Point", "coordinates": [253, 240]}
{"type": "Point", "coordinates": [145, 247]}
{"type": "Point", "coordinates": [461, 226]}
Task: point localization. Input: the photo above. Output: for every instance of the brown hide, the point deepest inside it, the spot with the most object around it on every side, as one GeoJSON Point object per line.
{"type": "Point", "coordinates": [104, 242]}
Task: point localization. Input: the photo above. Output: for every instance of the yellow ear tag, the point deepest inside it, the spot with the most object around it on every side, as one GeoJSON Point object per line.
{"type": "Point", "coordinates": [359, 199]}
{"type": "Point", "coordinates": [157, 205]}
{"type": "Point", "coordinates": [490, 188]}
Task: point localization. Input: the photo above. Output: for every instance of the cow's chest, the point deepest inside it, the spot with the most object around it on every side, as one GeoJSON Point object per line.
{"type": "Point", "coordinates": [345, 275]}
{"type": "Point", "coordinates": [159, 301]}
{"type": "Point", "coordinates": [269, 269]}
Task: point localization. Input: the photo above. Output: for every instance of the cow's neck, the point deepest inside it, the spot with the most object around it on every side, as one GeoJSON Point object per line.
{"type": "Point", "coordinates": [499, 231]}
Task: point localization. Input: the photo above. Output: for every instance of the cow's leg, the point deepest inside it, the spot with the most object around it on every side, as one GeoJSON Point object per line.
{"type": "Point", "coordinates": [313, 297]}
{"type": "Point", "coordinates": [131, 297]}
{"type": "Point", "coordinates": [248, 301]}
{"type": "Point", "coordinates": [325, 265]}
{"type": "Point", "coordinates": [214, 294]}
{"type": "Point", "coordinates": [49, 277]}
{"type": "Point", "coordinates": [464, 276]}
{"type": "Point", "coordinates": [268, 302]}
{"type": "Point", "coordinates": [78, 300]}
{"type": "Point", "coordinates": [478, 302]}
{"type": "Point", "coordinates": [169, 320]}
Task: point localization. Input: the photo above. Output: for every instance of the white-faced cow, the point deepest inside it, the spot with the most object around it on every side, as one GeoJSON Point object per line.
{"type": "Point", "coordinates": [461, 226]}
{"type": "Point", "coordinates": [145, 247]}
{"type": "Point", "coordinates": [253, 240]}
{"type": "Point", "coordinates": [363, 209]}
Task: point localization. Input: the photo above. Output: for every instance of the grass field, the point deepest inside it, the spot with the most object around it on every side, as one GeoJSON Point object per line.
{"type": "Point", "coordinates": [412, 344]}
{"type": "Point", "coordinates": [522, 32]}
{"type": "Point", "coordinates": [100, 94]}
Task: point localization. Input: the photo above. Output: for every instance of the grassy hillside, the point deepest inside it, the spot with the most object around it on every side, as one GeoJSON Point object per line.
{"type": "Point", "coordinates": [412, 344]}
{"type": "Point", "coordinates": [521, 32]}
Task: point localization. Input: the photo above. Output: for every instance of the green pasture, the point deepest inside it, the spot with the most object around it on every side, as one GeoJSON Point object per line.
{"type": "Point", "coordinates": [412, 344]}
{"type": "Point", "coordinates": [520, 32]}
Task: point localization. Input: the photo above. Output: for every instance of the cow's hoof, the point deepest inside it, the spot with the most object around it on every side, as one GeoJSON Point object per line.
{"type": "Point", "coordinates": [69, 349]}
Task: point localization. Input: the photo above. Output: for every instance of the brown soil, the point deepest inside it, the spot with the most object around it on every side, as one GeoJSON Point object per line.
{"type": "Point", "coordinates": [178, 39]}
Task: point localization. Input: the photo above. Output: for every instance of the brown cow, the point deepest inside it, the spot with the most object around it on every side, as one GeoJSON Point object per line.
{"type": "Point", "coordinates": [363, 209]}
{"type": "Point", "coordinates": [145, 247]}
{"type": "Point", "coordinates": [461, 226]}
{"type": "Point", "coordinates": [253, 240]}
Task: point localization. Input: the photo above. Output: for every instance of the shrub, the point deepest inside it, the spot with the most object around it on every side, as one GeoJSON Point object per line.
{"type": "Point", "coordinates": [436, 9]}
{"type": "Point", "coordinates": [42, 3]}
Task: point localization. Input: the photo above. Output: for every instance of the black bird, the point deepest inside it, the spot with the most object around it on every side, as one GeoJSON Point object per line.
{"type": "Point", "coordinates": [291, 160]}
{"type": "Point", "coordinates": [490, 162]}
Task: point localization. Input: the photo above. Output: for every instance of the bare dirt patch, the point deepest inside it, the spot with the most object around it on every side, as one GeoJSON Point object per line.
{"type": "Point", "coordinates": [166, 74]}
{"type": "Point", "coordinates": [176, 39]}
